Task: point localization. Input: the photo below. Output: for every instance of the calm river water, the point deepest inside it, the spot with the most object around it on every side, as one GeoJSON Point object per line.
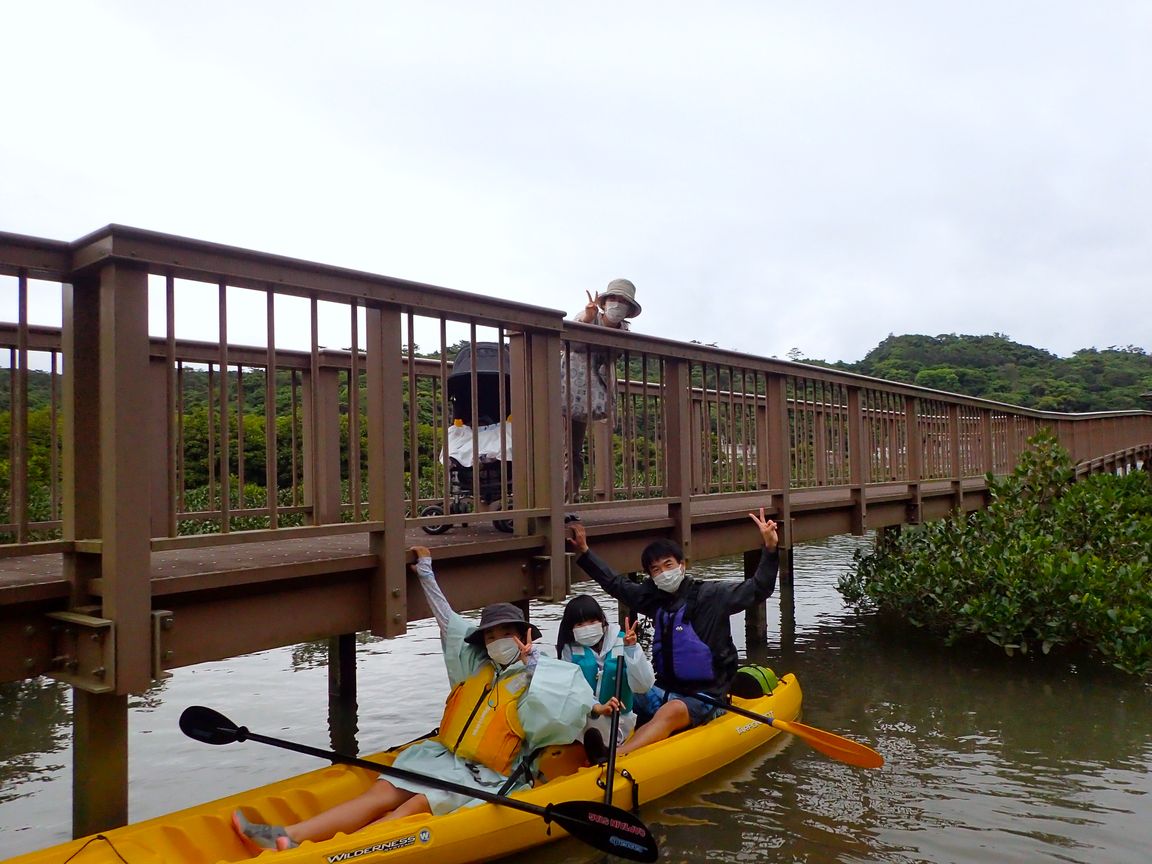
{"type": "Point", "coordinates": [988, 759]}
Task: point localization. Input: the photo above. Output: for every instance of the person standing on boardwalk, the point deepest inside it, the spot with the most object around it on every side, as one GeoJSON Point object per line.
{"type": "Point", "coordinates": [587, 376]}
{"type": "Point", "coordinates": [692, 646]}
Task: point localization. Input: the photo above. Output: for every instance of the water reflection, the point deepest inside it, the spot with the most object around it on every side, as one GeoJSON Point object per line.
{"type": "Point", "coordinates": [35, 720]}
{"type": "Point", "coordinates": [988, 759]}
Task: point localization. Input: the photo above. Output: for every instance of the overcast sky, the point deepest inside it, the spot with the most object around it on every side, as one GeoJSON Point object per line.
{"type": "Point", "coordinates": [772, 175]}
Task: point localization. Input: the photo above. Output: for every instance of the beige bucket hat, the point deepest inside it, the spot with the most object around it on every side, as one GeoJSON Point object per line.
{"type": "Point", "coordinates": [621, 288]}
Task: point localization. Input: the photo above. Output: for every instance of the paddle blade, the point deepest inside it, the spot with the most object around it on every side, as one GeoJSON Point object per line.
{"type": "Point", "coordinates": [608, 828]}
{"type": "Point", "coordinates": [207, 725]}
{"type": "Point", "coordinates": [836, 746]}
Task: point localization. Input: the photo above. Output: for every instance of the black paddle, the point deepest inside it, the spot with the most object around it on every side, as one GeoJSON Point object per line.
{"type": "Point", "coordinates": [611, 767]}
{"type": "Point", "coordinates": [609, 829]}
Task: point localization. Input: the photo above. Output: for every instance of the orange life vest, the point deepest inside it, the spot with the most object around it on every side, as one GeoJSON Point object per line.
{"type": "Point", "coordinates": [481, 723]}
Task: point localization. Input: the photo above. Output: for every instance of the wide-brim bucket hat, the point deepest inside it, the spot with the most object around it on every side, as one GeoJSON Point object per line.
{"type": "Point", "coordinates": [621, 288]}
{"type": "Point", "coordinates": [496, 614]}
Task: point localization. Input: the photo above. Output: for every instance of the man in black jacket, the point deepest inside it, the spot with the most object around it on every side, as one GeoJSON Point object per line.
{"type": "Point", "coordinates": [692, 647]}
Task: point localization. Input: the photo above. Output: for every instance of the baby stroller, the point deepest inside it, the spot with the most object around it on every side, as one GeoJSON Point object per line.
{"type": "Point", "coordinates": [474, 480]}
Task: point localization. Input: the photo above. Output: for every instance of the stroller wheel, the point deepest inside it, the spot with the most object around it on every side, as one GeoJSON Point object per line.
{"type": "Point", "coordinates": [433, 510]}
{"type": "Point", "coordinates": [504, 525]}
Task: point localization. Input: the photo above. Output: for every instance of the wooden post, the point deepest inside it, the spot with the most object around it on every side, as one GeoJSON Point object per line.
{"type": "Point", "coordinates": [322, 480]}
{"type": "Point", "coordinates": [546, 459]}
{"type": "Point", "coordinates": [603, 461]}
{"type": "Point", "coordinates": [986, 440]}
{"type": "Point", "coordinates": [779, 455]}
{"type": "Point", "coordinates": [675, 397]}
{"type": "Point", "coordinates": [787, 602]}
{"type": "Point", "coordinates": [957, 469]}
{"type": "Point", "coordinates": [384, 370]}
{"type": "Point", "coordinates": [106, 321]}
{"type": "Point", "coordinates": [519, 397]}
{"type": "Point", "coordinates": [857, 460]}
{"type": "Point", "coordinates": [159, 423]}
{"type": "Point", "coordinates": [342, 708]}
{"type": "Point", "coordinates": [755, 618]}
{"type": "Point", "coordinates": [100, 754]}
{"type": "Point", "coordinates": [80, 460]}
{"type": "Point", "coordinates": [914, 441]}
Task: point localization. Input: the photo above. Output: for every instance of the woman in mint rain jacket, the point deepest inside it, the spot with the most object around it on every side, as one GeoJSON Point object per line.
{"type": "Point", "coordinates": [531, 701]}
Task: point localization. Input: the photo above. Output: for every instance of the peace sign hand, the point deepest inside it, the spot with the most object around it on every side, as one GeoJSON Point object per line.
{"type": "Point", "coordinates": [592, 305]}
{"type": "Point", "coordinates": [768, 531]}
{"type": "Point", "coordinates": [525, 647]}
{"type": "Point", "coordinates": [630, 631]}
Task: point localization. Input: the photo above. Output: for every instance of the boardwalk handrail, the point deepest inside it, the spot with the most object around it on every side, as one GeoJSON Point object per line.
{"type": "Point", "coordinates": [171, 497]}
{"type": "Point", "coordinates": [204, 445]}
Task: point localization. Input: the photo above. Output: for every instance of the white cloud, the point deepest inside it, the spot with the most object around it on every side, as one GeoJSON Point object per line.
{"type": "Point", "coordinates": [769, 174]}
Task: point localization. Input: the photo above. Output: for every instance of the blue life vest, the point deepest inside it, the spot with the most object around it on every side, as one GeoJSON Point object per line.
{"type": "Point", "coordinates": [682, 659]}
{"type": "Point", "coordinates": [589, 664]}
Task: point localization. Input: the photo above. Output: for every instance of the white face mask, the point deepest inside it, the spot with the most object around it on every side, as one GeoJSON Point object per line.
{"type": "Point", "coordinates": [615, 310]}
{"type": "Point", "coordinates": [503, 651]}
{"type": "Point", "coordinates": [669, 580]}
{"type": "Point", "coordinates": [588, 634]}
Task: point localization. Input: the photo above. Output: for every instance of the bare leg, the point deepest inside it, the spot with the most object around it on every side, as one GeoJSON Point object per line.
{"type": "Point", "coordinates": [671, 717]}
{"type": "Point", "coordinates": [376, 802]}
{"type": "Point", "coordinates": [415, 804]}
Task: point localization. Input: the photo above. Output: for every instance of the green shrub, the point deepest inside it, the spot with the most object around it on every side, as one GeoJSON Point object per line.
{"type": "Point", "coordinates": [1049, 562]}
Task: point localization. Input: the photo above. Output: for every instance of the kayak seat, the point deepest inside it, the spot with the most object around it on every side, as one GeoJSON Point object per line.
{"type": "Point", "coordinates": [560, 760]}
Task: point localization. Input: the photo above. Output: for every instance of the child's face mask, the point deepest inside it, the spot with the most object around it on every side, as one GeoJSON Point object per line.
{"type": "Point", "coordinates": [588, 634]}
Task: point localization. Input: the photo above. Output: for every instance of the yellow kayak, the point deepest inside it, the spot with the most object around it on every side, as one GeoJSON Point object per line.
{"type": "Point", "coordinates": [203, 834]}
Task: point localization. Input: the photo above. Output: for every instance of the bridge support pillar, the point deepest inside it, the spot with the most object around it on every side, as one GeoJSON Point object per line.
{"type": "Point", "coordinates": [787, 602]}
{"type": "Point", "coordinates": [756, 618]}
{"type": "Point", "coordinates": [99, 761]}
{"type": "Point", "coordinates": [786, 571]}
{"type": "Point", "coordinates": [888, 535]}
{"type": "Point", "coordinates": [343, 720]}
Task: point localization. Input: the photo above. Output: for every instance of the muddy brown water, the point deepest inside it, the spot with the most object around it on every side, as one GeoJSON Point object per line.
{"type": "Point", "coordinates": [988, 759]}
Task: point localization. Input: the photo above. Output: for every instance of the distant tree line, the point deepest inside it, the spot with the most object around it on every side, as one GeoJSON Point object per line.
{"type": "Point", "coordinates": [995, 367]}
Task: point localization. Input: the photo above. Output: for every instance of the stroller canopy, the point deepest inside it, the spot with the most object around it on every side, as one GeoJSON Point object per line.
{"type": "Point", "coordinates": [487, 367]}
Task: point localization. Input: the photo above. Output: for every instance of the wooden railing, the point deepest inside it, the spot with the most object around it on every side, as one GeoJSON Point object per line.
{"type": "Point", "coordinates": [166, 393]}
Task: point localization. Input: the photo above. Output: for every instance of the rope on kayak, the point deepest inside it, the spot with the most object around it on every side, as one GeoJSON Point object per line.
{"type": "Point", "coordinates": [93, 840]}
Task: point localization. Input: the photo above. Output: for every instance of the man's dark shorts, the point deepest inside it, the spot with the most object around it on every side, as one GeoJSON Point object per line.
{"type": "Point", "coordinates": [647, 704]}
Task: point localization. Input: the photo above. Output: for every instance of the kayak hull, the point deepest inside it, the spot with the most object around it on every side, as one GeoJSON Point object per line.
{"type": "Point", "coordinates": [203, 834]}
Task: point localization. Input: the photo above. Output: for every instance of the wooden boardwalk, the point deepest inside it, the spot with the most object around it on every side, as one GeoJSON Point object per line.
{"type": "Point", "coordinates": [124, 433]}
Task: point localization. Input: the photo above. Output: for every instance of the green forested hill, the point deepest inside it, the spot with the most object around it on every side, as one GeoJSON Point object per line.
{"type": "Point", "coordinates": [995, 367]}
{"type": "Point", "coordinates": [992, 367]}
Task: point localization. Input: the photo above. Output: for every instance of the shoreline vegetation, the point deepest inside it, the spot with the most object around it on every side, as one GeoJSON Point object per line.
{"type": "Point", "coordinates": [1049, 563]}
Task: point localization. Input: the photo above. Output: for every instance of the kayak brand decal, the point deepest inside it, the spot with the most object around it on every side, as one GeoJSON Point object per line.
{"type": "Point", "coordinates": [425, 835]}
{"type": "Point", "coordinates": [390, 846]}
{"type": "Point", "coordinates": [740, 730]}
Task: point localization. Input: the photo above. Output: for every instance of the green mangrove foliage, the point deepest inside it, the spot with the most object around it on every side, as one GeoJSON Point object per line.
{"type": "Point", "coordinates": [1050, 562]}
